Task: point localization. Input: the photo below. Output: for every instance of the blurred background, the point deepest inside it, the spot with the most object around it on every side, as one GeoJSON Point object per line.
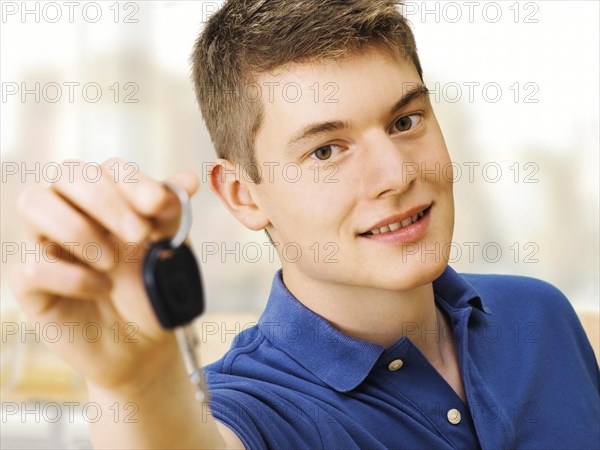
{"type": "Point", "coordinates": [514, 85]}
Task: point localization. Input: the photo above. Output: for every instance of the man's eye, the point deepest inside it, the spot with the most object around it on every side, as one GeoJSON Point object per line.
{"type": "Point", "coordinates": [407, 123]}
{"type": "Point", "coordinates": [326, 152]}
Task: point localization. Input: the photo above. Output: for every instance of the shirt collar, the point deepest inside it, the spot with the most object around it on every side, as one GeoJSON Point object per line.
{"type": "Point", "coordinates": [337, 359]}
{"type": "Point", "coordinates": [457, 291]}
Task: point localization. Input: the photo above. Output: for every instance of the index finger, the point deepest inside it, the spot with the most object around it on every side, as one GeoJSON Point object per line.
{"type": "Point", "coordinates": [150, 197]}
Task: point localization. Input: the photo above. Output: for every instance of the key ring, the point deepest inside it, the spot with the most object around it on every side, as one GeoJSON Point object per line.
{"type": "Point", "coordinates": [186, 214]}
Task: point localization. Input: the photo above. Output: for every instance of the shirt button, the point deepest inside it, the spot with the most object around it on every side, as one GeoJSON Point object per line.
{"type": "Point", "coordinates": [454, 416]}
{"type": "Point", "coordinates": [395, 365]}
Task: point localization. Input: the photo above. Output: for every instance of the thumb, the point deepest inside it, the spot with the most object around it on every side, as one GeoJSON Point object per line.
{"type": "Point", "coordinates": [187, 180]}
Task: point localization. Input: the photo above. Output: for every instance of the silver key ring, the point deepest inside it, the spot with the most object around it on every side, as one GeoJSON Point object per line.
{"type": "Point", "coordinates": [186, 214]}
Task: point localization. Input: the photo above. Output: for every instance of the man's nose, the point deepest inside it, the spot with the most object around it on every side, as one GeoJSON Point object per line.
{"type": "Point", "coordinates": [386, 167]}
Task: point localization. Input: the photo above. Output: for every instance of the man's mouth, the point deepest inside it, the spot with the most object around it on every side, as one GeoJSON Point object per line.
{"type": "Point", "coordinates": [394, 226]}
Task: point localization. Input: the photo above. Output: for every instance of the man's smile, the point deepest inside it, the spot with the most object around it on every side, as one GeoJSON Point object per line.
{"type": "Point", "coordinates": [403, 227]}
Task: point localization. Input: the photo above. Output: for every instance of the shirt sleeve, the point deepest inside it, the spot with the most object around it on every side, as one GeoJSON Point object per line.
{"type": "Point", "coordinates": [261, 418]}
{"type": "Point", "coordinates": [231, 411]}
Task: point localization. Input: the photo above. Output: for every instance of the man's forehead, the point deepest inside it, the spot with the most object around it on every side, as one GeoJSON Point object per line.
{"type": "Point", "coordinates": [322, 87]}
{"type": "Point", "coordinates": [305, 70]}
{"type": "Point", "coordinates": [306, 98]}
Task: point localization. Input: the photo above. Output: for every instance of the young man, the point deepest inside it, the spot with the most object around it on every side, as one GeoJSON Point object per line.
{"type": "Point", "coordinates": [380, 345]}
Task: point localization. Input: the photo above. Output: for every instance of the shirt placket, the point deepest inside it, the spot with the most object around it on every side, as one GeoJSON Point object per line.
{"type": "Point", "coordinates": [409, 374]}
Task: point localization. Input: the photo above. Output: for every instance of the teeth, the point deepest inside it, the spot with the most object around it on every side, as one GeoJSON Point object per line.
{"type": "Point", "coordinates": [398, 225]}
{"type": "Point", "coordinates": [395, 226]}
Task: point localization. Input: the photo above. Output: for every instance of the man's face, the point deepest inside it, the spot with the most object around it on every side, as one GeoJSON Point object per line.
{"type": "Point", "coordinates": [344, 148]}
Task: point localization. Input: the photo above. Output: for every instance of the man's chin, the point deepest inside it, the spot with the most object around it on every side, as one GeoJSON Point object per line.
{"type": "Point", "coordinates": [407, 276]}
{"type": "Point", "coordinates": [397, 272]}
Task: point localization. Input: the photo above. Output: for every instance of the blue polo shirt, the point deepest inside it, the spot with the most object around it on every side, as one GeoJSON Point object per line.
{"type": "Point", "coordinates": [530, 376]}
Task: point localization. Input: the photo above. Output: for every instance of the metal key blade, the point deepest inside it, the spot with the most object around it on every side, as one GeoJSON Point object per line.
{"type": "Point", "coordinates": [187, 339]}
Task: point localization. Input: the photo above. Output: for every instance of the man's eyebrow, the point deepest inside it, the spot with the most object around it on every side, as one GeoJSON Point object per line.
{"type": "Point", "coordinates": [336, 125]}
{"type": "Point", "coordinates": [418, 91]}
{"type": "Point", "coordinates": [318, 128]}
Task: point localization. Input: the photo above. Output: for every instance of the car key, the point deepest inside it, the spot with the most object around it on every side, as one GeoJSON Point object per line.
{"type": "Point", "coordinates": [174, 285]}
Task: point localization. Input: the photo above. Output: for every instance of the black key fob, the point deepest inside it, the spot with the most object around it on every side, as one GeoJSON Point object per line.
{"type": "Point", "coordinates": [173, 283]}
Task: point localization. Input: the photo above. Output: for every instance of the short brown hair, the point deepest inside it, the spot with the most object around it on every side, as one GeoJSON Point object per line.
{"type": "Point", "coordinates": [248, 37]}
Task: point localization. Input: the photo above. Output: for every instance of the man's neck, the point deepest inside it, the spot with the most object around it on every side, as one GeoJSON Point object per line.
{"type": "Point", "coordinates": [383, 317]}
{"type": "Point", "coordinates": [379, 316]}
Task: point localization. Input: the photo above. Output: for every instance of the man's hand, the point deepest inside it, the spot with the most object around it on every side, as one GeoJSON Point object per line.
{"type": "Point", "coordinates": [134, 360]}
{"type": "Point", "coordinates": [94, 275]}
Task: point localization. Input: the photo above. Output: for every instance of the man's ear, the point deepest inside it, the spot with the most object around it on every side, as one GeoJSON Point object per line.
{"type": "Point", "coordinates": [236, 195]}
